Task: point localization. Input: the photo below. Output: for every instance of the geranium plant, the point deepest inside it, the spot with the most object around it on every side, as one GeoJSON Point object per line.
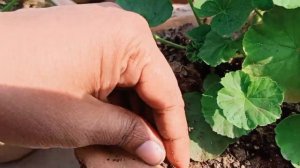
{"type": "Point", "coordinates": [265, 35]}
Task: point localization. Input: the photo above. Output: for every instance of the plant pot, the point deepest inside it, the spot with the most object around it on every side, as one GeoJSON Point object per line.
{"type": "Point", "coordinates": [10, 153]}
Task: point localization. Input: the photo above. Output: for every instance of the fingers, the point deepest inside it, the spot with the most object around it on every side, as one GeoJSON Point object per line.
{"type": "Point", "coordinates": [46, 119]}
{"type": "Point", "coordinates": [158, 88]}
{"type": "Point", "coordinates": [108, 157]}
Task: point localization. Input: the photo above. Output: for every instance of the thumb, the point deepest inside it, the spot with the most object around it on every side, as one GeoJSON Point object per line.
{"type": "Point", "coordinates": [44, 119]}
{"type": "Point", "coordinates": [118, 126]}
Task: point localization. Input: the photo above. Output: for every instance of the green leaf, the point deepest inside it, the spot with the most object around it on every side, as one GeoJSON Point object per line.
{"type": "Point", "coordinates": [288, 138]}
{"type": "Point", "coordinates": [289, 4]}
{"type": "Point", "coordinates": [229, 15]}
{"type": "Point", "coordinates": [198, 3]}
{"type": "Point", "coordinates": [295, 165]}
{"type": "Point", "coordinates": [213, 115]}
{"type": "Point", "coordinates": [217, 49]}
{"type": "Point", "coordinates": [154, 11]}
{"type": "Point", "coordinates": [197, 36]}
{"type": "Point", "coordinates": [199, 33]}
{"type": "Point", "coordinates": [210, 81]}
{"type": "Point", "coordinates": [263, 4]}
{"type": "Point", "coordinates": [273, 49]}
{"type": "Point", "coordinates": [205, 144]}
{"type": "Point", "coordinates": [248, 102]}
{"type": "Point", "coordinates": [10, 6]}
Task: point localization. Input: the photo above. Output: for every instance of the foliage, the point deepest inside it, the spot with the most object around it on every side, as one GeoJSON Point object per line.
{"type": "Point", "coordinates": [272, 49]}
{"type": "Point", "coordinates": [248, 101]}
{"type": "Point", "coordinates": [229, 15]}
{"type": "Point", "coordinates": [154, 11]}
{"type": "Point", "coordinates": [205, 144]}
{"type": "Point", "coordinates": [288, 138]}
{"type": "Point", "coordinates": [9, 6]}
{"type": "Point", "coordinates": [265, 36]}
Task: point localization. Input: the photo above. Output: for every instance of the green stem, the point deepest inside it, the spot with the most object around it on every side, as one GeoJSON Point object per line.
{"type": "Point", "coordinates": [193, 9]}
{"type": "Point", "coordinates": [258, 13]}
{"type": "Point", "coordinates": [166, 42]}
{"type": "Point", "coordinates": [10, 6]}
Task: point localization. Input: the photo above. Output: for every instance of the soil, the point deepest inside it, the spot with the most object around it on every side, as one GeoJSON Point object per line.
{"type": "Point", "coordinates": [256, 150]}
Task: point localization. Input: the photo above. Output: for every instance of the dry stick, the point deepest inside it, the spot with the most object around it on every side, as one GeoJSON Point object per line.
{"type": "Point", "coordinates": [166, 42]}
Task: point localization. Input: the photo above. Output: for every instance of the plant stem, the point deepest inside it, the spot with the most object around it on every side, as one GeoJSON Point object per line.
{"type": "Point", "coordinates": [193, 9]}
{"type": "Point", "coordinates": [10, 5]}
{"type": "Point", "coordinates": [258, 13]}
{"type": "Point", "coordinates": [166, 42]}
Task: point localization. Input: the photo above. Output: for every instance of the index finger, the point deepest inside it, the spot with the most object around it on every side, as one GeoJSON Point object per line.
{"type": "Point", "coordinates": [159, 89]}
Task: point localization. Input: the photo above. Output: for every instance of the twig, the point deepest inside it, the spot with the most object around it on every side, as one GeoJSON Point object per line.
{"type": "Point", "coordinates": [166, 42]}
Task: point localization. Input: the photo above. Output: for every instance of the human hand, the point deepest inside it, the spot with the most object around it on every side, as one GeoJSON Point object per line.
{"type": "Point", "coordinates": [60, 64]}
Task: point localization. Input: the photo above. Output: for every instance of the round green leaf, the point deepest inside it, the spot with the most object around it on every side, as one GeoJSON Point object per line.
{"type": "Point", "coordinates": [198, 3]}
{"type": "Point", "coordinates": [273, 49]}
{"type": "Point", "coordinates": [263, 4]}
{"type": "Point", "coordinates": [288, 138]}
{"type": "Point", "coordinates": [289, 4]}
{"type": "Point", "coordinates": [205, 144]}
{"type": "Point", "coordinates": [217, 49]}
{"type": "Point", "coordinates": [154, 11]}
{"type": "Point", "coordinates": [213, 115]}
{"type": "Point", "coordinates": [229, 15]}
{"type": "Point", "coordinates": [249, 101]}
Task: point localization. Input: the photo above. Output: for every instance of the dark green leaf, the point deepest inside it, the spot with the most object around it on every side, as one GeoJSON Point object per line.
{"type": "Point", "coordinates": [273, 49]}
{"type": "Point", "coordinates": [218, 49]}
{"type": "Point", "coordinates": [154, 11]}
{"type": "Point", "coordinates": [288, 138]}
{"type": "Point", "coordinates": [210, 81]}
{"type": "Point", "coordinates": [229, 15]}
{"type": "Point", "coordinates": [205, 144]}
{"type": "Point", "coordinates": [263, 4]}
{"type": "Point", "coordinates": [199, 33]}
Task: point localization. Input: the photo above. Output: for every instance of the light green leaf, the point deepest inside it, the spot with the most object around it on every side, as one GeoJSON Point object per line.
{"type": "Point", "coordinates": [217, 49]}
{"type": "Point", "coordinates": [295, 165]}
{"type": "Point", "coordinates": [248, 102]}
{"type": "Point", "coordinates": [229, 15]}
{"type": "Point", "coordinates": [273, 49]}
{"type": "Point", "coordinates": [288, 138]}
{"type": "Point", "coordinates": [198, 3]}
{"type": "Point", "coordinates": [210, 81]}
{"type": "Point", "coordinates": [205, 144]}
{"type": "Point", "coordinates": [154, 11]}
{"type": "Point", "coordinates": [263, 4]}
{"type": "Point", "coordinates": [289, 4]}
{"type": "Point", "coordinates": [213, 115]}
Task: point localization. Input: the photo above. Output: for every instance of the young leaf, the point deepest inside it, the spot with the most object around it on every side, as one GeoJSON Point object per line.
{"type": "Point", "coordinates": [263, 4]}
{"type": "Point", "coordinates": [248, 102]}
{"type": "Point", "coordinates": [213, 115]}
{"type": "Point", "coordinates": [289, 4]}
{"type": "Point", "coordinates": [288, 138]}
{"type": "Point", "coordinates": [205, 144]}
{"type": "Point", "coordinates": [217, 49]}
{"type": "Point", "coordinates": [210, 81]}
{"type": "Point", "coordinates": [154, 11]}
{"type": "Point", "coordinates": [272, 49]}
{"type": "Point", "coordinates": [229, 15]}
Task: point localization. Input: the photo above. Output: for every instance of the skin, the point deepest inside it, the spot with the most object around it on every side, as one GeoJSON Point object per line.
{"type": "Point", "coordinates": [58, 67]}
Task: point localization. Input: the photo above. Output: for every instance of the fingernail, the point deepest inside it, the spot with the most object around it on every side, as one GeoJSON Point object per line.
{"type": "Point", "coordinates": [151, 152]}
